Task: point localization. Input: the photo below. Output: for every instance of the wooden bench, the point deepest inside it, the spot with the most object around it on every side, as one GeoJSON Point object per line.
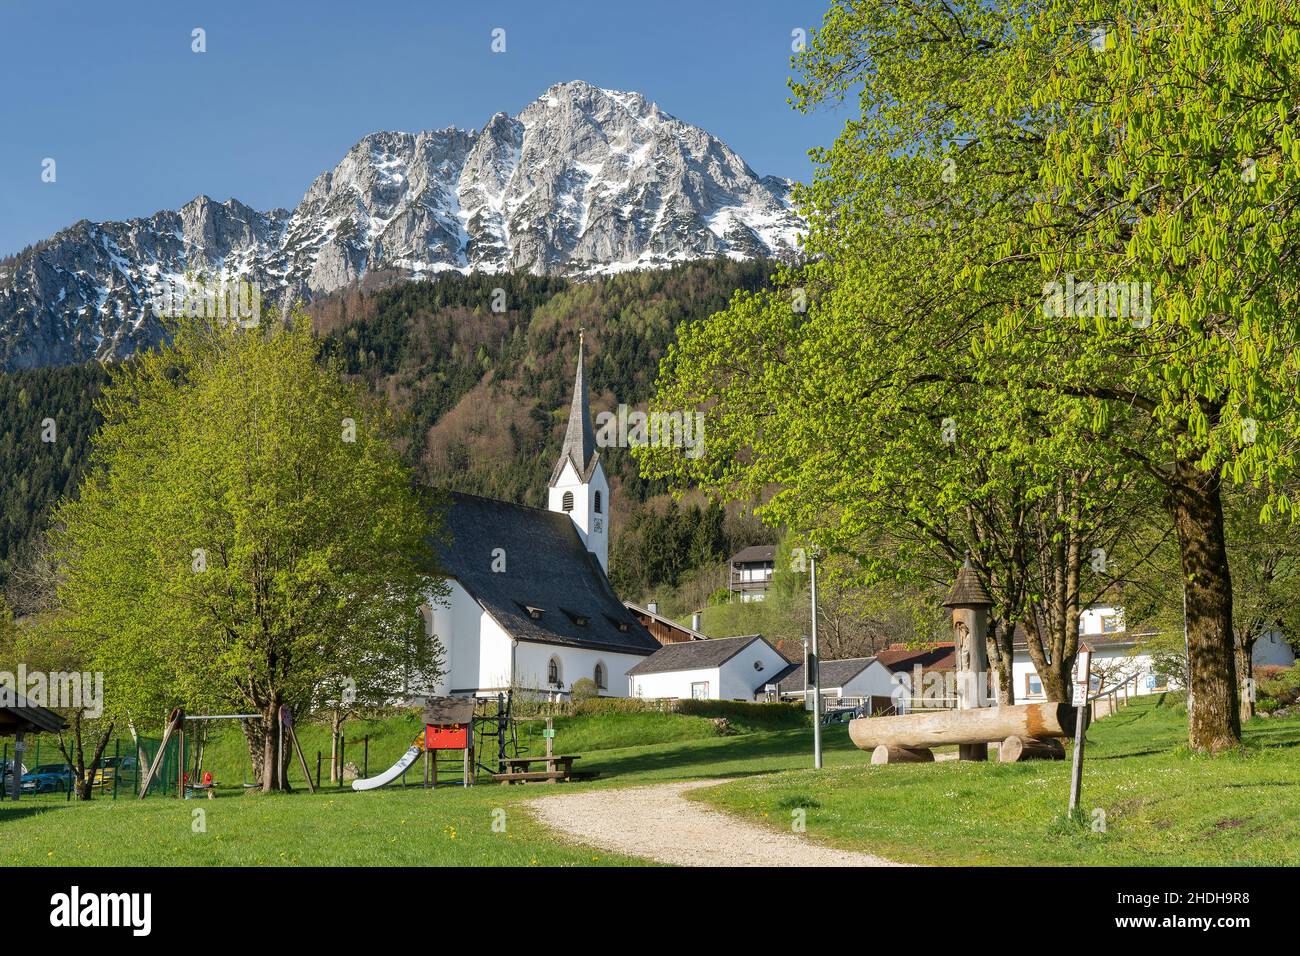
{"type": "Point", "coordinates": [543, 776]}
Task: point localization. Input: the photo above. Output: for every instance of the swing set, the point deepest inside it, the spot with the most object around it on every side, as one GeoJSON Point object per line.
{"type": "Point", "coordinates": [202, 782]}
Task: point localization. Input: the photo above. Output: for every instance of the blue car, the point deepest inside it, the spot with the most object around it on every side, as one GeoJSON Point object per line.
{"type": "Point", "coordinates": [47, 778]}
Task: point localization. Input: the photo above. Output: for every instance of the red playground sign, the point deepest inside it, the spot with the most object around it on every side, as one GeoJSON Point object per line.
{"type": "Point", "coordinates": [452, 737]}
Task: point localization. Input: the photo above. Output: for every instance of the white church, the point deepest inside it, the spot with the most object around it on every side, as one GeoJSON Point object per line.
{"type": "Point", "coordinates": [530, 606]}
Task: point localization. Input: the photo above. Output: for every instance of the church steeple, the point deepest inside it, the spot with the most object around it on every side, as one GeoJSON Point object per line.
{"type": "Point", "coordinates": [579, 438]}
{"type": "Point", "coordinates": [578, 486]}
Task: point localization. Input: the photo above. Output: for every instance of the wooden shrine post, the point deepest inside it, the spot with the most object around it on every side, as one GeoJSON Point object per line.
{"type": "Point", "coordinates": [970, 605]}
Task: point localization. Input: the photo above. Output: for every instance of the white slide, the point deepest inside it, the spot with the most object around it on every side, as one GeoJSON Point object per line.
{"type": "Point", "coordinates": [389, 775]}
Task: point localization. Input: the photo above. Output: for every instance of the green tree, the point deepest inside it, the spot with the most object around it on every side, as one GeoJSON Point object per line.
{"type": "Point", "coordinates": [1077, 222]}
{"type": "Point", "coordinates": [246, 535]}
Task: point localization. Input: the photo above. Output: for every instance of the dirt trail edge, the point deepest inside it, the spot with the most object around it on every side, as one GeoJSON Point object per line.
{"type": "Point", "coordinates": [659, 823]}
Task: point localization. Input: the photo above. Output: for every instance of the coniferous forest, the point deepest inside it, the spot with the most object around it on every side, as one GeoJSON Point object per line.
{"type": "Point", "coordinates": [480, 369]}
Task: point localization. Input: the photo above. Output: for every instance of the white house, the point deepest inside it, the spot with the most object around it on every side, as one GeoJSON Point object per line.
{"type": "Point", "coordinates": [727, 668]}
{"type": "Point", "coordinates": [530, 606]}
{"type": "Point", "coordinates": [1114, 661]}
{"type": "Point", "coordinates": [860, 678]}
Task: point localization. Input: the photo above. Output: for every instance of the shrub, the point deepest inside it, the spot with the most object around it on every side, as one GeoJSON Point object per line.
{"type": "Point", "coordinates": [583, 689]}
{"type": "Point", "coordinates": [1277, 687]}
{"type": "Point", "coordinates": [785, 715]}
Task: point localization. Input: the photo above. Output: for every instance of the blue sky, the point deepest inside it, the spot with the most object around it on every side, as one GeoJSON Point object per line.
{"type": "Point", "coordinates": [137, 122]}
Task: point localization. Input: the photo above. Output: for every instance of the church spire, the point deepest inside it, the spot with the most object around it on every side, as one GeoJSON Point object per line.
{"type": "Point", "coordinates": [579, 437]}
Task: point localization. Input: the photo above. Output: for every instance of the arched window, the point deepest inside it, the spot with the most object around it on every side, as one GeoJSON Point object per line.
{"type": "Point", "coordinates": [598, 502]}
{"type": "Point", "coordinates": [567, 501]}
{"type": "Point", "coordinates": [553, 671]}
{"type": "Point", "coordinates": [600, 677]}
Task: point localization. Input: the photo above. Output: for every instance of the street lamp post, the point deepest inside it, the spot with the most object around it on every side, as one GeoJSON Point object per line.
{"type": "Point", "coordinates": [814, 671]}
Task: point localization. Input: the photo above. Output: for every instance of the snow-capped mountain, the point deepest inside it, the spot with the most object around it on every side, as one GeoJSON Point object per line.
{"type": "Point", "coordinates": [582, 181]}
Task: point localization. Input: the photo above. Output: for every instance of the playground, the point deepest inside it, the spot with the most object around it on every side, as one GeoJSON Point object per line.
{"type": "Point", "coordinates": [1161, 804]}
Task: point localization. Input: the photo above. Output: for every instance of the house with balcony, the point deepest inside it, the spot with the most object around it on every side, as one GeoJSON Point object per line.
{"type": "Point", "coordinates": [751, 573]}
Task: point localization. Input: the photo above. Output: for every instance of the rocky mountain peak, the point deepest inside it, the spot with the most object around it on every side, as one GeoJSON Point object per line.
{"type": "Point", "coordinates": [582, 181]}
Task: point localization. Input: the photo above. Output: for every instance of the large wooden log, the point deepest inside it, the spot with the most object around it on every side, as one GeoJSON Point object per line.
{"type": "Point", "coordinates": [978, 725]}
{"type": "Point", "coordinates": [883, 754]}
{"type": "Point", "coordinates": [1016, 749]}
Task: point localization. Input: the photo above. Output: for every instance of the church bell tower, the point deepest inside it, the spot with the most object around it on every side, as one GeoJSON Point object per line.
{"type": "Point", "coordinates": [578, 486]}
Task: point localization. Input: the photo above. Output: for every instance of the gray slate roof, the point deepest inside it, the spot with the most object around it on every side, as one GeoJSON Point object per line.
{"type": "Point", "coordinates": [547, 568]}
{"type": "Point", "coordinates": [579, 438]}
{"type": "Point", "coordinates": [833, 674]}
{"type": "Point", "coordinates": [755, 552]}
{"type": "Point", "coordinates": [22, 713]}
{"type": "Point", "coordinates": [694, 655]}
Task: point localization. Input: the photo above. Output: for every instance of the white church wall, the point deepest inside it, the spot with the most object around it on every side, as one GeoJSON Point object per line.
{"type": "Point", "coordinates": [532, 665]}
{"type": "Point", "coordinates": [477, 650]}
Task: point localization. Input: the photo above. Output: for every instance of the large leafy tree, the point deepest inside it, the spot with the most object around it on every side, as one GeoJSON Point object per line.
{"type": "Point", "coordinates": [246, 537]}
{"type": "Point", "coordinates": [996, 148]}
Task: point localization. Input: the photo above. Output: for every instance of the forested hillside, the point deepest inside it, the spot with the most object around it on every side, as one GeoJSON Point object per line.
{"type": "Point", "coordinates": [46, 419]}
{"type": "Point", "coordinates": [481, 368]}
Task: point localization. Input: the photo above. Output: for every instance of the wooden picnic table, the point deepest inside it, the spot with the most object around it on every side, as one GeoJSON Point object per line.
{"type": "Point", "coordinates": [553, 761]}
{"type": "Point", "coordinates": [559, 767]}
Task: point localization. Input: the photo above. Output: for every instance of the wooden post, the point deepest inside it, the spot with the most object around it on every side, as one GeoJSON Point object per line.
{"type": "Point", "coordinates": [180, 763]}
{"type": "Point", "coordinates": [20, 748]}
{"type": "Point", "coordinates": [550, 738]}
{"type": "Point", "coordinates": [162, 750]}
{"type": "Point", "coordinates": [318, 763]}
{"type": "Point", "coordinates": [1084, 668]}
{"type": "Point", "coordinates": [302, 761]}
{"type": "Point", "coordinates": [342, 746]}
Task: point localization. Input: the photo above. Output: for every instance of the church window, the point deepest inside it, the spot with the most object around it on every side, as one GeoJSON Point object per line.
{"type": "Point", "coordinates": [567, 501]}
{"type": "Point", "coordinates": [553, 671]}
{"type": "Point", "coordinates": [598, 502]}
{"type": "Point", "coordinates": [600, 676]}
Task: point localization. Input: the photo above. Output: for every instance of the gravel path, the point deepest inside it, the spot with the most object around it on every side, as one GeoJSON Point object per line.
{"type": "Point", "coordinates": [658, 823]}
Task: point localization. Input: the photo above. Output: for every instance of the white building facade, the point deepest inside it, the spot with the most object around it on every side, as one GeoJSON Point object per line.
{"type": "Point", "coordinates": [1115, 660]}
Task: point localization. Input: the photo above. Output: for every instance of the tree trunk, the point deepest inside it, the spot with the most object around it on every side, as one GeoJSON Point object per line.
{"type": "Point", "coordinates": [1245, 650]}
{"type": "Point", "coordinates": [1002, 655]}
{"type": "Point", "coordinates": [1056, 671]}
{"type": "Point", "coordinates": [336, 731]}
{"type": "Point", "coordinates": [977, 725]}
{"type": "Point", "coordinates": [1196, 506]}
{"type": "Point", "coordinates": [270, 746]}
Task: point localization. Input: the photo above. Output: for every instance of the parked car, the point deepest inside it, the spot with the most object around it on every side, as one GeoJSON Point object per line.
{"type": "Point", "coordinates": [110, 767]}
{"type": "Point", "coordinates": [7, 775]}
{"type": "Point", "coordinates": [48, 778]}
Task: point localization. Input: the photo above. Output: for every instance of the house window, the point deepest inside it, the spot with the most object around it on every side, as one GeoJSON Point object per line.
{"type": "Point", "coordinates": [1111, 624]}
{"type": "Point", "coordinates": [1033, 685]}
{"type": "Point", "coordinates": [553, 671]}
{"type": "Point", "coordinates": [700, 690]}
{"type": "Point", "coordinates": [600, 677]}
{"type": "Point", "coordinates": [598, 502]}
{"type": "Point", "coordinates": [567, 501]}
